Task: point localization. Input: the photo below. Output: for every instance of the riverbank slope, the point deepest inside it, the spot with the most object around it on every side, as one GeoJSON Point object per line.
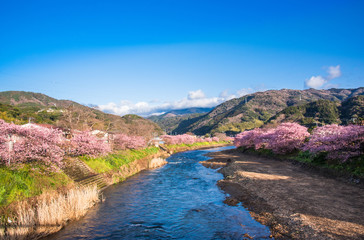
{"type": "Point", "coordinates": [295, 202]}
{"type": "Point", "coordinates": [47, 210]}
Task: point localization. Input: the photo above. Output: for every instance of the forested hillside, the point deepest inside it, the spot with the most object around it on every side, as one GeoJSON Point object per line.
{"type": "Point", "coordinates": [170, 120]}
{"type": "Point", "coordinates": [21, 107]}
{"type": "Point", "coordinates": [256, 109]}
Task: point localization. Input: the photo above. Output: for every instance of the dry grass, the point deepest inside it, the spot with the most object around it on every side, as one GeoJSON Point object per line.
{"type": "Point", "coordinates": [49, 213]}
{"type": "Point", "coordinates": [157, 162]}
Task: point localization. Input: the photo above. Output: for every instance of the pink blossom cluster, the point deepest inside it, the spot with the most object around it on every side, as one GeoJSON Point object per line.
{"type": "Point", "coordinates": [229, 139]}
{"type": "Point", "coordinates": [84, 143]}
{"type": "Point", "coordinates": [288, 137]}
{"type": "Point", "coordinates": [215, 139]}
{"type": "Point", "coordinates": [179, 139]}
{"type": "Point", "coordinates": [285, 138]}
{"type": "Point", "coordinates": [339, 142]}
{"type": "Point", "coordinates": [123, 141]}
{"type": "Point", "coordinates": [22, 143]}
{"type": "Point", "coordinates": [28, 143]}
{"type": "Point", "coordinates": [248, 139]}
{"type": "Point", "coordinates": [186, 139]}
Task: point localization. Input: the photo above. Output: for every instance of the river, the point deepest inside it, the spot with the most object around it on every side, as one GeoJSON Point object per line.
{"type": "Point", "coordinates": [178, 201]}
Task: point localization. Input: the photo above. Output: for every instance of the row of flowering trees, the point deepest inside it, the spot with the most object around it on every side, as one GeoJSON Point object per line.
{"type": "Point", "coordinates": [23, 143]}
{"type": "Point", "coordinates": [186, 139]}
{"type": "Point", "coordinates": [338, 142]}
{"type": "Point", "coordinates": [123, 141]}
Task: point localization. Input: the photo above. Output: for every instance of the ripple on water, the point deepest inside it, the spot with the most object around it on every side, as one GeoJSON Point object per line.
{"type": "Point", "coordinates": [178, 201]}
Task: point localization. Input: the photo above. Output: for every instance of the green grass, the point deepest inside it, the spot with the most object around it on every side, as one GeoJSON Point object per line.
{"type": "Point", "coordinates": [28, 180]}
{"type": "Point", "coordinates": [354, 166]}
{"type": "Point", "coordinates": [114, 161]}
{"type": "Point", "coordinates": [32, 179]}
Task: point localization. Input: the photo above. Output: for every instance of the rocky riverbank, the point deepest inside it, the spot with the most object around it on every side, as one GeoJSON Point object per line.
{"type": "Point", "coordinates": [295, 202]}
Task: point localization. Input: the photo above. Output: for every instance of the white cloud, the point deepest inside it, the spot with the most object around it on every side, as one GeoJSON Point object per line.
{"type": "Point", "coordinates": [323, 82]}
{"type": "Point", "coordinates": [334, 72]}
{"type": "Point", "coordinates": [196, 95]}
{"type": "Point", "coordinates": [157, 113]}
{"type": "Point", "coordinates": [315, 82]}
{"type": "Point", "coordinates": [194, 99]}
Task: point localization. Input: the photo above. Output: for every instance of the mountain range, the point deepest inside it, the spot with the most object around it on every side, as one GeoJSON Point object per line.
{"type": "Point", "coordinates": [257, 109]}
{"type": "Point", "coordinates": [170, 120]}
{"type": "Point", "coordinates": [309, 107]}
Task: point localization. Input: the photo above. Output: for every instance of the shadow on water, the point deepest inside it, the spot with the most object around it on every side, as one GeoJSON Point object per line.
{"type": "Point", "coordinates": [178, 201]}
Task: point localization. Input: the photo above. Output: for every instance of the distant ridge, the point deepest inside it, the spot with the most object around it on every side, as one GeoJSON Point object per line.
{"type": "Point", "coordinates": [171, 119]}
{"type": "Point", "coordinates": [20, 107]}
{"type": "Point", "coordinates": [189, 111]}
{"type": "Point", "coordinates": [255, 109]}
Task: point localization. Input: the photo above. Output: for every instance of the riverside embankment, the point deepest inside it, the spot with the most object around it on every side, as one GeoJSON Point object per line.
{"type": "Point", "coordinates": [117, 167]}
{"type": "Point", "coordinates": [296, 202]}
{"type": "Point", "coordinates": [59, 200]}
{"type": "Point", "coordinates": [178, 201]}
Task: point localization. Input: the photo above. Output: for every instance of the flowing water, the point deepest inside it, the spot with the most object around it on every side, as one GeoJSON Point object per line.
{"type": "Point", "coordinates": [178, 201]}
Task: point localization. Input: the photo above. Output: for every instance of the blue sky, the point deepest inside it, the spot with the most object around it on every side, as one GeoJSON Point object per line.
{"type": "Point", "coordinates": [150, 56]}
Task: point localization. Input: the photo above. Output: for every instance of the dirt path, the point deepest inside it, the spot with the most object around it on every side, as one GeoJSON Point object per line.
{"type": "Point", "coordinates": [293, 201]}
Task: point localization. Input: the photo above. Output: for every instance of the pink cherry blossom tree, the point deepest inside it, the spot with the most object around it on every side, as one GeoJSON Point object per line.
{"type": "Point", "coordinates": [30, 143]}
{"type": "Point", "coordinates": [247, 139]}
{"type": "Point", "coordinates": [123, 141]}
{"type": "Point", "coordinates": [185, 139]}
{"type": "Point", "coordinates": [84, 143]}
{"type": "Point", "coordinates": [339, 142]}
{"type": "Point", "coordinates": [286, 138]}
{"type": "Point", "coordinates": [215, 139]}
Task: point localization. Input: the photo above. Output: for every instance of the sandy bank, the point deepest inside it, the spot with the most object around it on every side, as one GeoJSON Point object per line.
{"type": "Point", "coordinates": [295, 202]}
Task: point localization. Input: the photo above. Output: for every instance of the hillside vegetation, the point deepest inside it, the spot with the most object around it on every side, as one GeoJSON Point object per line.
{"type": "Point", "coordinates": [21, 107]}
{"type": "Point", "coordinates": [254, 110]}
{"type": "Point", "coordinates": [169, 121]}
